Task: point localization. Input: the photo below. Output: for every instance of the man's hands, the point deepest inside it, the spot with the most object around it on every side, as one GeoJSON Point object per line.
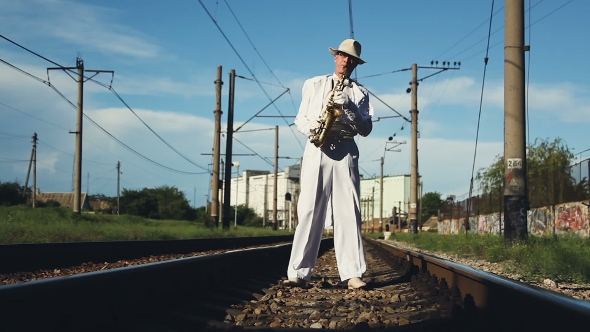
{"type": "Point", "coordinates": [315, 125]}
{"type": "Point", "coordinates": [341, 98]}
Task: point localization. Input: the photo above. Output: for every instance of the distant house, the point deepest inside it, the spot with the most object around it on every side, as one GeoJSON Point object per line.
{"type": "Point", "coordinates": [101, 205]}
{"type": "Point", "coordinates": [64, 199]}
{"type": "Point", "coordinates": [430, 224]}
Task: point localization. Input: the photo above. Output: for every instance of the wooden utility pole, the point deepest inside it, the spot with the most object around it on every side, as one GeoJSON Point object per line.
{"type": "Point", "coordinates": [216, 147]}
{"type": "Point", "coordinates": [118, 186]}
{"type": "Point", "coordinates": [413, 221]}
{"type": "Point", "coordinates": [80, 112]}
{"type": "Point", "coordinates": [32, 161]}
{"type": "Point", "coordinates": [515, 182]}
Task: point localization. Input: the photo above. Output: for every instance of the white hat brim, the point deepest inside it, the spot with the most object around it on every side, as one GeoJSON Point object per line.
{"type": "Point", "coordinates": [335, 51]}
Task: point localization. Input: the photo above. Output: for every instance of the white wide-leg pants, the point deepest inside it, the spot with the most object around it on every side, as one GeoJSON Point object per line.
{"type": "Point", "coordinates": [329, 175]}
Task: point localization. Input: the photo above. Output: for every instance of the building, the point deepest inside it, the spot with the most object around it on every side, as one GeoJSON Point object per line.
{"type": "Point", "coordinates": [64, 199]}
{"type": "Point", "coordinates": [396, 200]}
{"type": "Point", "coordinates": [255, 189]}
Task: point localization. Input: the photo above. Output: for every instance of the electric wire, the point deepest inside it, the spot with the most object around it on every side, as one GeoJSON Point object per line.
{"type": "Point", "coordinates": [96, 124]}
{"type": "Point", "coordinates": [69, 154]}
{"type": "Point", "coordinates": [97, 82]}
{"type": "Point", "coordinates": [265, 63]}
{"type": "Point", "coordinates": [32, 116]}
{"type": "Point", "coordinates": [261, 157]}
{"type": "Point", "coordinates": [526, 28]}
{"type": "Point", "coordinates": [467, 35]}
{"type": "Point", "coordinates": [243, 62]}
{"type": "Point", "coordinates": [479, 113]}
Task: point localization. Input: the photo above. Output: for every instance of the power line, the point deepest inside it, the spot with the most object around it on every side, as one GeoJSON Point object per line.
{"type": "Point", "coordinates": [469, 34]}
{"type": "Point", "coordinates": [71, 155]}
{"type": "Point", "coordinates": [244, 63]}
{"type": "Point", "coordinates": [480, 106]}
{"type": "Point", "coordinates": [105, 131]}
{"type": "Point", "coordinates": [500, 42]}
{"type": "Point", "coordinates": [99, 83]}
{"type": "Point", "coordinates": [32, 116]}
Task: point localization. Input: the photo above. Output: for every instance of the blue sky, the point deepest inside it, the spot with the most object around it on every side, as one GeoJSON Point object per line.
{"type": "Point", "coordinates": [165, 56]}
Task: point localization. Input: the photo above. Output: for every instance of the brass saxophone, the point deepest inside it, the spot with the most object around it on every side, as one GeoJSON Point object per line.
{"type": "Point", "coordinates": [329, 115]}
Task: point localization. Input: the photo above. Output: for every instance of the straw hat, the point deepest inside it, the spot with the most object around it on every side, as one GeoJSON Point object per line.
{"type": "Point", "coordinates": [351, 47]}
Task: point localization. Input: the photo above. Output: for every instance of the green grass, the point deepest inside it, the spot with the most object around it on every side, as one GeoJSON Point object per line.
{"type": "Point", "coordinates": [562, 258]}
{"type": "Point", "coordinates": [22, 224]}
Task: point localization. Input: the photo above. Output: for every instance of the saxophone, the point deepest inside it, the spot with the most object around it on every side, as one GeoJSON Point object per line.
{"type": "Point", "coordinates": [329, 115]}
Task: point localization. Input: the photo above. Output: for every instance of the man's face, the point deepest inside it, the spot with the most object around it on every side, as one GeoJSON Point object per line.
{"type": "Point", "coordinates": [344, 63]}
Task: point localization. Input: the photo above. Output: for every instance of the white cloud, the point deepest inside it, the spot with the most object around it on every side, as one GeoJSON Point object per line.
{"type": "Point", "coordinates": [84, 25]}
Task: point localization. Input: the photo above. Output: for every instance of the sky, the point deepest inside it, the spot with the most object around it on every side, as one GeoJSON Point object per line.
{"type": "Point", "coordinates": [157, 119]}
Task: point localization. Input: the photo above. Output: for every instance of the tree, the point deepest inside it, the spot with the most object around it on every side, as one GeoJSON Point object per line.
{"type": "Point", "coordinates": [11, 193]}
{"type": "Point", "coordinates": [431, 203]}
{"type": "Point", "coordinates": [548, 175]}
{"type": "Point", "coordinates": [158, 203]}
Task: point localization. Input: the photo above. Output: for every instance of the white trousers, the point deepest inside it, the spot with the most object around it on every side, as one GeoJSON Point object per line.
{"type": "Point", "coordinates": [329, 175]}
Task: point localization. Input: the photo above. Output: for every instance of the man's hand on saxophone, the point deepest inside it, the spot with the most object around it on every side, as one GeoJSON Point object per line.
{"type": "Point", "coordinates": [341, 98]}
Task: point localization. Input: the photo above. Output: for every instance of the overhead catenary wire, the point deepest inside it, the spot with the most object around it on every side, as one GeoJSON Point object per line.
{"type": "Point", "coordinates": [526, 28]}
{"type": "Point", "coordinates": [244, 63]}
{"type": "Point", "coordinates": [48, 83]}
{"type": "Point", "coordinates": [112, 136]}
{"type": "Point", "coordinates": [486, 59]}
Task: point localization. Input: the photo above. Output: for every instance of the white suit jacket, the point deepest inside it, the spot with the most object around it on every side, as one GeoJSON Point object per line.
{"type": "Point", "coordinates": [313, 98]}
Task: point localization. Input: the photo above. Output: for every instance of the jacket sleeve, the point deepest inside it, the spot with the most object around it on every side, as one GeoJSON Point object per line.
{"type": "Point", "coordinates": [362, 111]}
{"type": "Point", "coordinates": [305, 118]}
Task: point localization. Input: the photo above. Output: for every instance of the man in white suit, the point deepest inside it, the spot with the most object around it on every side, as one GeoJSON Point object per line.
{"type": "Point", "coordinates": [330, 180]}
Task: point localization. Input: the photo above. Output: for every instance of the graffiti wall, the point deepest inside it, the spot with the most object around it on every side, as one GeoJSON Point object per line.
{"type": "Point", "coordinates": [566, 218]}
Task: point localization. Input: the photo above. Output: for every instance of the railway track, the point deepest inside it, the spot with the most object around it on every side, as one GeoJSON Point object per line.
{"type": "Point", "coordinates": [241, 289]}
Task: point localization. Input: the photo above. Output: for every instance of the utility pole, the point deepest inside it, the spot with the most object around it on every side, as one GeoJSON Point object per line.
{"type": "Point", "coordinates": [78, 156]}
{"type": "Point", "coordinates": [228, 150]}
{"type": "Point", "coordinates": [32, 161]}
{"type": "Point", "coordinates": [216, 147]}
{"type": "Point", "coordinates": [381, 198]}
{"type": "Point", "coordinates": [34, 169]}
{"type": "Point", "coordinates": [414, 162]}
{"type": "Point", "coordinates": [515, 182]}
{"type": "Point", "coordinates": [275, 182]}
{"type": "Point", "coordinates": [80, 112]}
{"type": "Point", "coordinates": [118, 186]}
{"type": "Point", "coordinates": [414, 174]}
{"type": "Point", "coordinates": [222, 181]}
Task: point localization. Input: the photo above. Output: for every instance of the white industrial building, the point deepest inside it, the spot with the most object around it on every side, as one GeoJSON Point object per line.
{"type": "Point", "coordinates": [255, 189]}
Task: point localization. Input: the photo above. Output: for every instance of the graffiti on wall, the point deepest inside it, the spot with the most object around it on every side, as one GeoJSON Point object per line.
{"type": "Point", "coordinates": [567, 218]}
{"type": "Point", "coordinates": [571, 218]}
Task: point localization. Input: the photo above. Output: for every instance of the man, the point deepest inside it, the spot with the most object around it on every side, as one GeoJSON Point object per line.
{"type": "Point", "coordinates": [329, 173]}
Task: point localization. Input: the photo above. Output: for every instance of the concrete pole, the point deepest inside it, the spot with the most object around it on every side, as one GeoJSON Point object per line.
{"type": "Point", "coordinates": [515, 184]}
{"type": "Point", "coordinates": [118, 188]}
{"type": "Point", "coordinates": [381, 198]}
{"type": "Point", "coordinates": [414, 162]}
{"type": "Point", "coordinates": [228, 150]}
{"type": "Point", "coordinates": [35, 170]}
{"type": "Point", "coordinates": [237, 164]}
{"type": "Point", "coordinates": [275, 181]}
{"type": "Point", "coordinates": [78, 157]}
{"type": "Point", "coordinates": [28, 172]}
{"type": "Point", "coordinates": [216, 147]}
